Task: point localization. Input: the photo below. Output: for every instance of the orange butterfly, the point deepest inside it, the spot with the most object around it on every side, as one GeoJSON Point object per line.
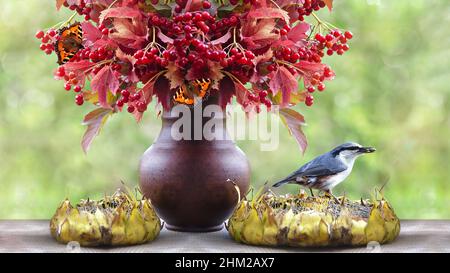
{"type": "Point", "coordinates": [197, 89]}
{"type": "Point", "coordinates": [69, 43]}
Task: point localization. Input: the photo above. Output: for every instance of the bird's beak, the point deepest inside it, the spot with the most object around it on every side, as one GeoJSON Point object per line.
{"type": "Point", "coordinates": [367, 150]}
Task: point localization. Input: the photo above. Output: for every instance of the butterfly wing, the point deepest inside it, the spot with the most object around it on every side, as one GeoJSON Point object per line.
{"type": "Point", "coordinates": [201, 87]}
{"type": "Point", "coordinates": [181, 96]}
{"type": "Point", "coordinates": [187, 94]}
{"type": "Point", "coordinates": [69, 43]}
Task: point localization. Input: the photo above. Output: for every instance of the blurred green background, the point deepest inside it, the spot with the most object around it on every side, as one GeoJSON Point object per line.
{"type": "Point", "coordinates": [391, 91]}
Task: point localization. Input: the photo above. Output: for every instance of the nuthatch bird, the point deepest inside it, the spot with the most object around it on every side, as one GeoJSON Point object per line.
{"type": "Point", "coordinates": [327, 170]}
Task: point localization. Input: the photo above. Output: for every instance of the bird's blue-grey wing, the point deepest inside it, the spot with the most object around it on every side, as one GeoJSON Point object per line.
{"type": "Point", "coordinates": [321, 166]}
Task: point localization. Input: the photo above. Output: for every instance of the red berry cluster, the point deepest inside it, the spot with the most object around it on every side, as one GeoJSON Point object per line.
{"type": "Point", "coordinates": [47, 38]}
{"type": "Point", "coordinates": [188, 49]}
{"type": "Point", "coordinates": [133, 100]}
{"type": "Point", "coordinates": [308, 7]}
{"type": "Point", "coordinates": [70, 80]}
{"type": "Point", "coordinates": [317, 82]}
{"type": "Point", "coordinates": [240, 63]}
{"type": "Point", "coordinates": [313, 54]}
{"type": "Point", "coordinates": [259, 98]}
{"type": "Point", "coordinates": [149, 62]}
{"type": "Point", "coordinates": [84, 8]}
{"type": "Point", "coordinates": [335, 41]}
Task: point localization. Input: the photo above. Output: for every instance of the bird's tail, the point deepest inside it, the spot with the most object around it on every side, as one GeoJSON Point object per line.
{"type": "Point", "coordinates": [281, 182]}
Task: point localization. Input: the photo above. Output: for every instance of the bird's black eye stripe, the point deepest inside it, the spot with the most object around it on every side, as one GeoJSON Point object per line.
{"type": "Point", "coordinates": [338, 151]}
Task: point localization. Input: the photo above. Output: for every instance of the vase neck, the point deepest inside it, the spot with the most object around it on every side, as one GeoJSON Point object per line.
{"type": "Point", "coordinates": [203, 121]}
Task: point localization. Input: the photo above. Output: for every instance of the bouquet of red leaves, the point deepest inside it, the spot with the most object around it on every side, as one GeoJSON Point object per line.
{"type": "Point", "coordinates": [120, 54]}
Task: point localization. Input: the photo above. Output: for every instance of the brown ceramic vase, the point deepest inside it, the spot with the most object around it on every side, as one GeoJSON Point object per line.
{"type": "Point", "coordinates": [186, 180]}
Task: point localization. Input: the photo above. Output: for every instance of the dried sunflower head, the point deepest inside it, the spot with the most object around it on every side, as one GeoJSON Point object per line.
{"type": "Point", "coordinates": [119, 219]}
{"type": "Point", "coordinates": [301, 220]}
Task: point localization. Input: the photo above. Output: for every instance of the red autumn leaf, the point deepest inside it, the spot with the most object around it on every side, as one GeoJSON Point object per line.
{"type": "Point", "coordinates": [298, 32]}
{"type": "Point", "coordinates": [212, 70]}
{"type": "Point", "coordinates": [261, 63]}
{"type": "Point", "coordinates": [160, 89]}
{"type": "Point", "coordinates": [285, 82]}
{"type": "Point", "coordinates": [240, 91]}
{"type": "Point", "coordinates": [59, 4]}
{"type": "Point", "coordinates": [127, 63]}
{"type": "Point", "coordinates": [308, 69]}
{"type": "Point", "coordinates": [174, 75]}
{"type": "Point", "coordinates": [193, 5]}
{"type": "Point", "coordinates": [329, 4]}
{"type": "Point", "coordinates": [222, 40]}
{"type": "Point", "coordinates": [108, 43]}
{"type": "Point", "coordinates": [122, 12]}
{"type": "Point", "coordinates": [78, 67]}
{"type": "Point", "coordinates": [164, 38]}
{"type": "Point", "coordinates": [128, 33]}
{"type": "Point", "coordinates": [105, 81]}
{"type": "Point", "coordinates": [90, 34]}
{"type": "Point", "coordinates": [268, 13]}
{"type": "Point", "coordinates": [226, 91]}
{"type": "Point", "coordinates": [94, 121]}
{"type": "Point", "coordinates": [256, 34]}
{"type": "Point", "coordinates": [294, 122]}
{"type": "Point", "coordinates": [148, 90]}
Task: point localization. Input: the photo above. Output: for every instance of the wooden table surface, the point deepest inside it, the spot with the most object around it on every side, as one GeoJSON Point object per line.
{"type": "Point", "coordinates": [34, 236]}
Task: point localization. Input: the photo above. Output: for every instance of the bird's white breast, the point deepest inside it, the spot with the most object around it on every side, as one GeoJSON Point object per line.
{"type": "Point", "coordinates": [338, 178]}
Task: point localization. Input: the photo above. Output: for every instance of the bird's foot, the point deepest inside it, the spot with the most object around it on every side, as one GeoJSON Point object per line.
{"type": "Point", "coordinates": [330, 195]}
{"type": "Point", "coordinates": [312, 193]}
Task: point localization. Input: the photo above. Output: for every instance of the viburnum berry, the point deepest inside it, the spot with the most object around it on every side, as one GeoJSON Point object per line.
{"type": "Point", "coordinates": [348, 35]}
{"type": "Point", "coordinates": [68, 87]}
{"type": "Point", "coordinates": [206, 4]}
{"type": "Point", "coordinates": [79, 100]}
{"type": "Point", "coordinates": [329, 37]}
{"type": "Point", "coordinates": [135, 97]}
{"type": "Point", "coordinates": [141, 106]}
{"type": "Point", "coordinates": [77, 89]}
{"type": "Point", "coordinates": [309, 100]}
{"type": "Point", "coordinates": [40, 34]}
{"type": "Point", "coordinates": [130, 108]}
{"type": "Point", "coordinates": [271, 67]}
{"type": "Point", "coordinates": [45, 39]}
{"type": "Point", "coordinates": [263, 94]}
{"type": "Point", "coordinates": [310, 89]}
{"type": "Point", "coordinates": [319, 37]}
{"type": "Point", "coordinates": [120, 103]}
{"type": "Point", "coordinates": [125, 93]}
{"type": "Point", "coordinates": [321, 86]}
{"type": "Point", "coordinates": [51, 33]}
